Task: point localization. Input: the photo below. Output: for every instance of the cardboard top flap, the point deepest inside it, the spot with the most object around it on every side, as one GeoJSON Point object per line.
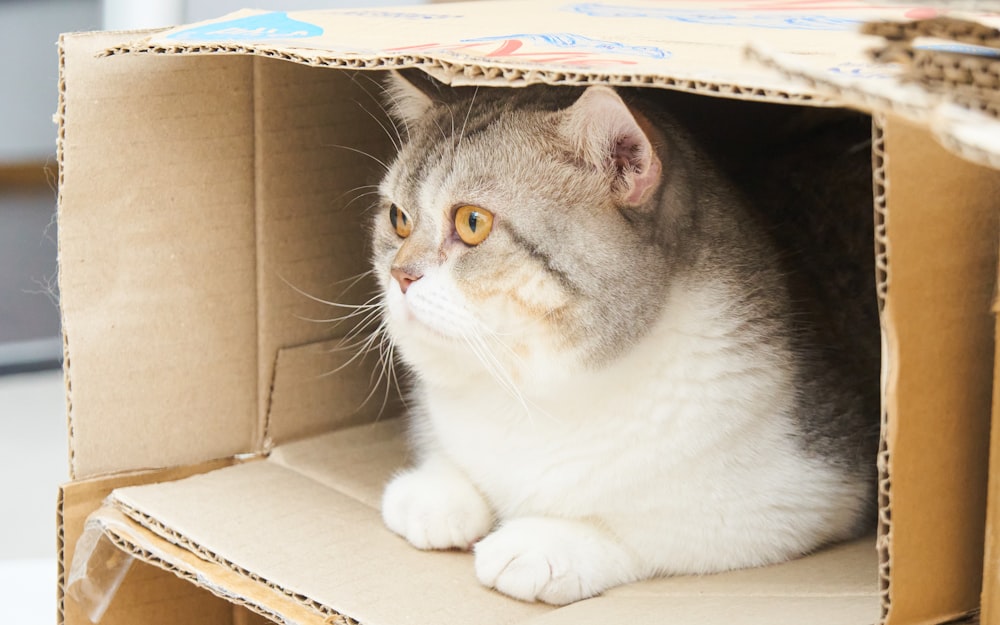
{"type": "Point", "coordinates": [692, 46]}
{"type": "Point", "coordinates": [942, 72]}
{"type": "Point", "coordinates": [314, 535]}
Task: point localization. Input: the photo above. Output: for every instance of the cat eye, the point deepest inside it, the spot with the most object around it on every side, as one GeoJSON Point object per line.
{"type": "Point", "coordinates": [400, 221]}
{"type": "Point", "coordinates": [473, 224]}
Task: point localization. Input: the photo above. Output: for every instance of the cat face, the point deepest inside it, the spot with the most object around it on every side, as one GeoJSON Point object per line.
{"type": "Point", "coordinates": [521, 241]}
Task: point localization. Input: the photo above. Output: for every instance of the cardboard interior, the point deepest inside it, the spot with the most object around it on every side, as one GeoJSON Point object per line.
{"type": "Point", "coordinates": [212, 197]}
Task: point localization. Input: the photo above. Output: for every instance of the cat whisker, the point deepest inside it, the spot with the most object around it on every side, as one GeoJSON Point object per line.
{"type": "Point", "coordinates": [366, 320]}
{"type": "Point", "coordinates": [383, 91]}
{"type": "Point", "coordinates": [361, 152]}
{"type": "Point", "coordinates": [386, 350]}
{"type": "Point", "coordinates": [468, 112]}
{"type": "Point", "coordinates": [328, 302]}
{"type": "Point", "coordinates": [444, 136]}
{"type": "Point", "coordinates": [387, 94]}
{"type": "Point", "coordinates": [385, 370]}
{"type": "Point", "coordinates": [392, 370]}
{"type": "Point", "coordinates": [357, 188]}
{"type": "Point", "coordinates": [396, 144]}
{"type": "Point", "coordinates": [364, 324]}
{"type": "Point", "coordinates": [356, 309]}
{"type": "Point", "coordinates": [371, 206]}
{"type": "Point", "coordinates": [496, 369]}
{"type": "Point", "coordinates": [358, 277]}
{"type": "Point", "coordinates": [372, 189]}
{"type": "Point", "coordinates": [364, 347]}
{"type": "Point", "coordinates": [496, 338]}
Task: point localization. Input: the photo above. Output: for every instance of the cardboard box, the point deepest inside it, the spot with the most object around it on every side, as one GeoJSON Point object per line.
{"type": "Point", "coordinates": [207, 181]}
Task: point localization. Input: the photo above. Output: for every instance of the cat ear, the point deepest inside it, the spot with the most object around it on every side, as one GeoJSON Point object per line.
{"type": "Point", "coordinates": [411, 94]}
{"type": "Point", "coordinates": [605, 133]}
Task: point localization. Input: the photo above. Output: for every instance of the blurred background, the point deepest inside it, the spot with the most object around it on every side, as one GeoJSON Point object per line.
{"type": "Point", "coordinates": [33, 447]}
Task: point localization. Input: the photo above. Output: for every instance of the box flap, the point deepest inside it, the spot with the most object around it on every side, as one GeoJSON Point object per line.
{"type": "Point", "coordinates": [159, 317]}
{"type": "Point", "coordinates": [940, 72]}
{"type": "Point", "coordinates": [139, 542]}
{"type": "Point", "coordinates": [323, 546]}
{"type": "Point", "coordinates": [692, 46]}
{"type": "Point", "coordinates": [315, 505]}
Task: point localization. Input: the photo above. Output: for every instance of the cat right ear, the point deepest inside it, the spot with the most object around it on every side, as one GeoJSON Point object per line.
{"type": "Point", "coordinates": [605, 133]}
{"type": "Point", "coordinates": [411, 94]}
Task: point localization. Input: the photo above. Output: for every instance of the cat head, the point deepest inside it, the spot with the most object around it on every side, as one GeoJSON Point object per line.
{"type": "Point", "coordinates": [516, 229]}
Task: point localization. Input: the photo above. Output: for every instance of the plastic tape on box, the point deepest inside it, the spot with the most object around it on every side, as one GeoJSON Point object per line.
{"type": "Point", "coordinates": [97, 571]}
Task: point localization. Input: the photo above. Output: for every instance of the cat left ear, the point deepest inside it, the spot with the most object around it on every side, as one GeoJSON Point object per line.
{"type": "Point", "coordinates": [606, 134]}
{"type": "Point", "coordinates": [411, 94]}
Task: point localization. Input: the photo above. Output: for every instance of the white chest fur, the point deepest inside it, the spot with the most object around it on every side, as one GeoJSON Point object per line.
{"type": "Point", "coordinates": [683, 444]}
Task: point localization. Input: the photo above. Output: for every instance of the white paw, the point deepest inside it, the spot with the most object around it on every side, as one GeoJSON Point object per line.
{"type": "Point", "coordinates": [435, 508]}
{"type": "Point", "coordinates": [552, 560]}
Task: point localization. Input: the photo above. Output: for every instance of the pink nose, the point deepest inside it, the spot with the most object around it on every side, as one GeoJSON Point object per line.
{"type": "Point", "coordinates": [404, 278]}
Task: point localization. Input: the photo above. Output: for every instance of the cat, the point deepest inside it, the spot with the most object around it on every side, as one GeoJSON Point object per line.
{"type": "Point", "coordinates": [612, 375]}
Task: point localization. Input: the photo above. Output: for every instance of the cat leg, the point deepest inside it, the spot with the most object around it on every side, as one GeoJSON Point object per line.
{"type": "Point", "coordinates": [434, 506]}
{"type": "Point", "coordinates": [557, 561]}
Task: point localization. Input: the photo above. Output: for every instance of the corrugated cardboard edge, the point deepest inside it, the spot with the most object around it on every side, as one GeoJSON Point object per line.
{"type": "Point", "coordinates": [150, 541]}
{"type": "Point", "coordinates": [943, 27]}
{"type": "Point", "coordinates": [884, 536]}
{"type": "Point", "coordinates": [60, 559]}
{"type": "Point", "coordinates": [59, 119]}
{"type": "Point", "coordinates": [452, 72]}
{"type": "Point", "coordinates": [238, 587]}
{"type": "Point", "coordinates": [933, 112]}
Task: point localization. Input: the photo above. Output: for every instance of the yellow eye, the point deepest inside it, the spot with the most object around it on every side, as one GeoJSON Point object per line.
{"type": "Point", "coordinates": [473, 224]}
{"type": "Point", "coordinates": [400, 221]}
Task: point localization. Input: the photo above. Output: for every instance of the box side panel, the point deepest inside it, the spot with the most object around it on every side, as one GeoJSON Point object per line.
{"type": "Point", "coordinates": [941, 238]}
{"type": "Point", "coordinates": [991, 562]}
{"type": "Point", "coordinates": [322, 139]}
{"type": "Point", "coordinates": [156, 257]}
{"type": "Point", "coordinates": [148, 595]}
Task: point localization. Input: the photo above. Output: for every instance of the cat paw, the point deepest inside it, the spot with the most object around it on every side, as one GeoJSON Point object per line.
{"type": "Point", "coordinates": [435, 508]}
{"type": "Point", "coordinates": [551, 560]}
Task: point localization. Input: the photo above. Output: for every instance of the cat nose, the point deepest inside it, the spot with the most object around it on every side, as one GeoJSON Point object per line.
{"type": "Point", "coordinates": [404, 277]}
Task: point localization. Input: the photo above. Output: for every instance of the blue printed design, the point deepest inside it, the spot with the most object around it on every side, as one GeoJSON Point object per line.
{"type": "Point", "coordinates": [579, 42]}
{"type": "Point", "coordinates": [960, 48]}
{"type": "Point", "coordinates": [864, 70]}
{"type": "Point", "coordinates": [399, 15]}
{"type": "Point", "coordinates": [784, 21]}
{"type": "Point", "coordinates": [263, 27]}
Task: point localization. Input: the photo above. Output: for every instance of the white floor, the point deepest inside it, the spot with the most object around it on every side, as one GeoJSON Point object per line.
{"type": "Point", "coordinates": [33, 462]}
